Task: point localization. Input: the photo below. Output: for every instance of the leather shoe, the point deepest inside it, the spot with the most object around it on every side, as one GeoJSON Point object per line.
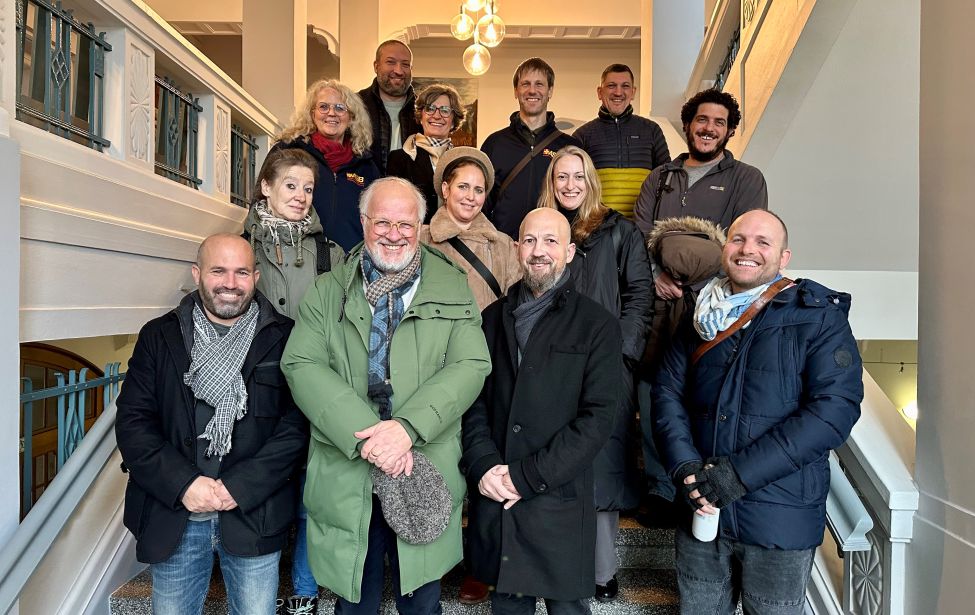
{"type": "Point", "coordinates": [472, 591]}
{"type": "Point", "coordinates": [607, 593]}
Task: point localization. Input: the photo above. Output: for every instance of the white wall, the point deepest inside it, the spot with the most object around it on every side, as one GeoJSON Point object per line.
{"type": "Point", "coordinates": [942, 555]}
{"type": "Point", "coordinates": [849, 153]}
{"type": "Point", "coordinates": [577, 68]}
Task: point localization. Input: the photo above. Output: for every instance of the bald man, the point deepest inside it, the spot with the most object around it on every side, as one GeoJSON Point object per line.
{"type": "Point", "coordinates": [745, 418]}
{"type": "Point", "coordinates": [211, 437]}
{"type": "Point", "coordinates": [546, 409]}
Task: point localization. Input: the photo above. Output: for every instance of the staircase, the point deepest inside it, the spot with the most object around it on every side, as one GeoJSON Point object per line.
{"type": "Point", "coordinates": [648, 585]}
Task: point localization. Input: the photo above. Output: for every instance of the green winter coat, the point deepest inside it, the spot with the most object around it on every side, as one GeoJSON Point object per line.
{"type": "Point", "coordinates": [285, 284]}
{"type": "Point", "coordinates": [438, 363]}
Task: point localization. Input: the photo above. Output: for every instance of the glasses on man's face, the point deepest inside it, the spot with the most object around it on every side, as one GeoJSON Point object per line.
{"type": "Point", "coordinates": [383, 227]}
{"type": "Point", "coordinates": [444, 110]}
{"type": "Point", "coordinates": [339, 108]}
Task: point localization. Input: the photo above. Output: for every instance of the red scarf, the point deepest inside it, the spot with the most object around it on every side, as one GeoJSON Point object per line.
{"type": "Point", "coordinates": [336, 154]}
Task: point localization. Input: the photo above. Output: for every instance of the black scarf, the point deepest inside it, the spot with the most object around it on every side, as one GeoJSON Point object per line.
{"type": "Point", "coordinates": [530, 309]}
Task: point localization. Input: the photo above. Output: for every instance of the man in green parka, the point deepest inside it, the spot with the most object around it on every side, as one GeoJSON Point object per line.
{"type": "Point", "coordinates": [386, 356]}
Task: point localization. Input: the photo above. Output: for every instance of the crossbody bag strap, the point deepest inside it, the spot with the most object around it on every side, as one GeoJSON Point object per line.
{"type": "Point", "coordinates": [477, 264]}
{"type": "Point", "coordinates": [749, 314]}
{"type": "Point", "coordinates": [518, 168]}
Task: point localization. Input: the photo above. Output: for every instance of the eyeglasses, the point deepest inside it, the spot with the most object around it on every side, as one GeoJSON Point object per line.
{"type": "Point", "coordinates": [383, 227]}
{"type": "Point", "coordinates": [444, 110]}
{"type": "Point", "coordinates": [339, 108]}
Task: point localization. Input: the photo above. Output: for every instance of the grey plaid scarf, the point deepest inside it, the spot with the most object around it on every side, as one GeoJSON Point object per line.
{"type": "Point", "coordinates": [385, 319]}
{"type": "Point", "coordinates": [214, 375]}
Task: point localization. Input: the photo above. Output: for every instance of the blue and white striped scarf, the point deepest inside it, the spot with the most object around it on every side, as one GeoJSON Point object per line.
{"type": "Point", "coordinates": [385, 292]}
{"type": "Point", "coordinates": [717, 309]}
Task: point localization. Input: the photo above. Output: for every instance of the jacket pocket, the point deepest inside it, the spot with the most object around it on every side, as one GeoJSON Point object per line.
{"type": "Point", "coordinates": [278, 511]}
{"type": "Point", "coordinates": [265, 393]}
{"type": "Point", "coordinates": [815, 481]}
{"type": "Point", "coordinates": [136, 509]}
{"type": "Point", "coordinates": [788, 490]}
{"type": "Point", "coordinates": [789, 374]}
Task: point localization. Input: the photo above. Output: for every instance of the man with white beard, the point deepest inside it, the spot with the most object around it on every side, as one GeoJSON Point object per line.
{"type": "Point", "coordinates": [386, 356]}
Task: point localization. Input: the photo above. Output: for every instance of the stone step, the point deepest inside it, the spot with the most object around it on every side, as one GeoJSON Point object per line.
{"type": "Point", "coordinates": [647, 582]}
{"type": "Point", "coordinates": [642, 591]}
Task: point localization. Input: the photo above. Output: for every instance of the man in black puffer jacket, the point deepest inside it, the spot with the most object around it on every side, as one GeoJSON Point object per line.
{"type": "Point", "coordinates": [623, 146]}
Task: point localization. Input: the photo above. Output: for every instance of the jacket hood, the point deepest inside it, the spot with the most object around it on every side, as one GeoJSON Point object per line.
{"type": "Point", "coordinates": [814, 295]}
{"type": "Point", "coordinates": [686, 225]}
{"type": "Point", "coordinates": [442, 228]}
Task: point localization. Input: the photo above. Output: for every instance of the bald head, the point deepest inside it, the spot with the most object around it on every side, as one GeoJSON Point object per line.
{"type": "Point", "coordinates": [756, 250]}
{"type": "Point", "coordinates": [544, 248]}
{"type": "Point", "coordinates": [226, 277]}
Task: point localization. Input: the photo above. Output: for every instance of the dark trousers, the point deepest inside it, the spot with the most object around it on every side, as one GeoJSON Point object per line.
{"type": "Point", "coordinates": [713, 576]}
{"type": "Point", "coordinates": [424, 600]}
{"type": "Point", "coordinates": [511, 604]}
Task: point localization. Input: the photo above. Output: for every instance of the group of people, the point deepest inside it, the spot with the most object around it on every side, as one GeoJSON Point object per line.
{"type": "Point", "coordinates": [403, 325]}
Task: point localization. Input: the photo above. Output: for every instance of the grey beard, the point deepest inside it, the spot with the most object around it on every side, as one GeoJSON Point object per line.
{"type": "Point", "coordinates": [392, 267]}
{"type": "Point", "coordinates": [543, 283]}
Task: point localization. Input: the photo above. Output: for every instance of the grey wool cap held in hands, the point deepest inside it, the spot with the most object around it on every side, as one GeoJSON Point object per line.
{"type": "Point", "coordinates": [417, 507]}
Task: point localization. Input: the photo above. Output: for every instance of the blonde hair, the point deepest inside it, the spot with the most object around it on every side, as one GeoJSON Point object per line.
{"type": "Point", "coordinates": [592, 212]}
{"type": "Point", "coordinates": [302, 125]}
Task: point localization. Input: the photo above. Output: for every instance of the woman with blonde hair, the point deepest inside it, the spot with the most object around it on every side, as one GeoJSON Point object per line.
{"type": "Point", "coordinates": [333, 126]}
{"type": "Point", "coordinates": [611, 267]}
{"type": "Point", "coordinates": [439, 113]}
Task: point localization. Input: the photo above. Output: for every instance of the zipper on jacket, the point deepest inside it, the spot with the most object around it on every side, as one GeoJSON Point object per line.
{"type": "Point", "coordinates": [619, 144]}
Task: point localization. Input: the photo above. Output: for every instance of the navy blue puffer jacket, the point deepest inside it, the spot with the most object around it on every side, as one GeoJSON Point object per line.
{"type": "Point", "coordinates": [775, 398]}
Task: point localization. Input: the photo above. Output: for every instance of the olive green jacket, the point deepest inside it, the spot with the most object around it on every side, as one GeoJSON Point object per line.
{"type": "Point", "coordinates": [438, 363]}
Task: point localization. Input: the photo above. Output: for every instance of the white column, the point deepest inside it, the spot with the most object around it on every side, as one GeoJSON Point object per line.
{"type": "Point", "coordinates": [645, 85]}
{"type": "Point", "coordinates": [8, 65]}
{"type": "Point", "coordinates": [678, 32]}
{"type": "Point", "coordinates": [130, 72]}
{"type": "Point", "coordinates": [942, 555]}
{"type": "Point", "coordinates": [274, 54]}
{"type": "Point", "coordinates": [214, 147]}
{"type": "Point", "coordinates": [358, 39]}
{"type": "Point", "coordinates": [10, 298]}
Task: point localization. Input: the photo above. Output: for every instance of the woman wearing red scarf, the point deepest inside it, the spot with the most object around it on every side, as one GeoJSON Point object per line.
{"type": "Point", "coordinates": [333, 126]}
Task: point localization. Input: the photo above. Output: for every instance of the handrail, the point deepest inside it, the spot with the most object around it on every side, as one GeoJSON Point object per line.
{"type": "Point", "coordinates": [47, 519]}
{"type": "Point", "coordinates": [846, 516]}
{"type": "Point", "coordinates": [70, 417]}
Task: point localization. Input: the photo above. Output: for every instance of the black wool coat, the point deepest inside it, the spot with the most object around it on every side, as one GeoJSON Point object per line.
{"type": "Point", "coordinates": [157, 436]}
{"type": "Point", "coordinates": [419, 172]}
{"type": "Point", "coordinates": [546, 419]}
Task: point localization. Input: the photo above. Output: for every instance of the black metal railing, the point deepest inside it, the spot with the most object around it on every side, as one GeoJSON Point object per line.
{"type": "Point", "coordinates": [177, 132]}
{"type": "Point", "coordinates": [243, 158]}
{"type": "Point", "coordinates": [60, 72]}
{"type": "Point", "coordinates": [725, 69]}
{"type": "Point", "coordinates": [76, 402]}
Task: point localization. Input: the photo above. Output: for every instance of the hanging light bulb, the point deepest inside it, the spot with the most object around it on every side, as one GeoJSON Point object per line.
{"type": "Point", "coordinates": [474, 5]}
{"type": "Point", "coordinates": [490, 28]}
{"type": "Point", "coordinates": [462, 26]}
{"type": "Point", "coordinates": [477, 59]}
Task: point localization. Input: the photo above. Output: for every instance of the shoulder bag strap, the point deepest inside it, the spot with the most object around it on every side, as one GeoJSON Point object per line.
{"type": "Point", "coordinates": [749, 314]}
{"type": "Point", "coordinates": [323, 257]}
{"type": "Point", "coordinates": [518, 168]}
{"type": "Point", "coordinates": [476, 263]}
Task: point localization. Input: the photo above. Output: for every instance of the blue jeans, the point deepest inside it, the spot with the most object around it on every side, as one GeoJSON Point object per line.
{"type": "Point", "coordinates": [424, 600]}
{"type": "Point", "coordinates": [301, 578]}
{"type": "Point", "coordinates": [180, 583]}
{"type": "Point", "coordinates": [658, 481]}
{"type": "Point", "coordinates": [712, 576]}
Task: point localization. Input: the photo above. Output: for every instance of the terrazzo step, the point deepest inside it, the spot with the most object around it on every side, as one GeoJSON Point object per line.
{"type": "Point", "coordinates": [647, 582]}
{"type": "Point", "coordinates": [642, 592]}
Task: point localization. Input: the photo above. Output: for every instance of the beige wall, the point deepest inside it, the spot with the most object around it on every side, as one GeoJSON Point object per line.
{"type": "Point", "coordinates": [893, 365]}
{"type": "Point", "coordinates": [100, 350]}
{"type": "Point", "coordinates": [942, 555]}
{"type": "Point", "coordinates": [577, 68]}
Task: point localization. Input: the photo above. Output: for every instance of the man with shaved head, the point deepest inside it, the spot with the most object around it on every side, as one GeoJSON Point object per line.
{"type": "Point", "coordinates": [546, 409]}
{"type": "Point", "coordinates": [390, 100]}
{"type": "Point", "coordinates": [760, 384]}
{"type": "Point", "coordinates": [211, 437]}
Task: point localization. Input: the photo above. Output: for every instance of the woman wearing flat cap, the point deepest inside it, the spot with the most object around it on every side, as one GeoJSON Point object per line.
{"type": "Point", "coordinates": [459, 229]}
